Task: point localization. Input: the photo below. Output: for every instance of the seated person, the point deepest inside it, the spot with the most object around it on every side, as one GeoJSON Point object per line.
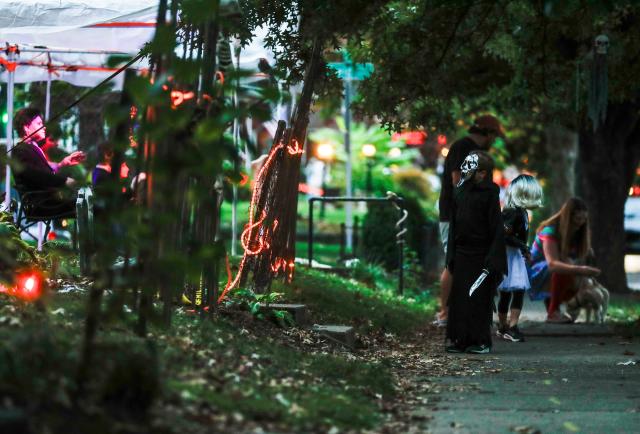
{"type": "Point", "coordinates": [36, 177]}
{"type": "Point", "coordinates": [101, 174]}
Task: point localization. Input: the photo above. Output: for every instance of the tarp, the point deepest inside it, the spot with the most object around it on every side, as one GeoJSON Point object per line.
{"type": "Point", "coordinates": [76, 38]}
{"type": "Point", "coordinates": [73, 38]}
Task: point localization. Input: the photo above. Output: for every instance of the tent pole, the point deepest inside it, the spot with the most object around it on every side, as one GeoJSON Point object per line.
{"type": "Point", "coordinates": [11, 57]}
{"type": "Point", "coordinates": [47, 99]}
{"type": "Point", "coordinates": [236, 143]}
{"type": "Point", "coordinates": [47, 111]}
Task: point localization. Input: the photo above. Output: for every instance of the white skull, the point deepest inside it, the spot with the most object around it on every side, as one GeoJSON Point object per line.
{"type": "Point", "coordinates": [601, 44]}
{"type": "Point", "coordinates": [469, 165]}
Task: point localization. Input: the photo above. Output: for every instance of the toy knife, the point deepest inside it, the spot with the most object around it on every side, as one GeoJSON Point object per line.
{"type": "Point", "coordinates": [478, 281]}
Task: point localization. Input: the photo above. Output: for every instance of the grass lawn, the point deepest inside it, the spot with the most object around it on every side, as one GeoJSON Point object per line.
{"type": "Point", "coordinates": [231, 374]}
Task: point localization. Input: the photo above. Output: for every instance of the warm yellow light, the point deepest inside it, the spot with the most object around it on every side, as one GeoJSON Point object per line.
{"type": "Point", "coordinates": [395, 152]}
{"type": "Point", "coordinates": [65, 223]}
{"type": "Point", "coordinates": [368, 150]}
{"type": "Point", "coordinates": [444, 152]}
{"type": "Point", "coordinates": [325, 151]}
{"type": "Point", "coordinates": [460, 122]}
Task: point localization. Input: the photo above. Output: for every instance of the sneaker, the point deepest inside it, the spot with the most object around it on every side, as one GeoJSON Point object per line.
{"type": "Point", "coordinates": [479, 349]}
{"type": "Point", "coordinates": [501, 331]}
{"type": "Point", "coordinates": [513, 334]}
{"type": "Point", "coordinates": [453, 349]}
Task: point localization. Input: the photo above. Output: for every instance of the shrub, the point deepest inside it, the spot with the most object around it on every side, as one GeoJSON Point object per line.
{"type": "Point", "coordinates": [379, 235]}
{"type": "Point", "coordinates": [413, 181]}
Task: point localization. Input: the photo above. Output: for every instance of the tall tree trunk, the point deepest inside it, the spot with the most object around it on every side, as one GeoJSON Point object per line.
{"type": "Point", "coordinates": [562, 149]}
{"type": "Point", "coordinates": [607, 158]}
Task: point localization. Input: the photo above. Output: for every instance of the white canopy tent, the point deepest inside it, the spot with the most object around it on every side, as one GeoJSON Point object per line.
{"type": "Point", "coordinates": [72, 41]}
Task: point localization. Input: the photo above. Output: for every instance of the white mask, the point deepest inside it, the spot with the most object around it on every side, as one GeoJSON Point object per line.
{"type": "Point", "coordinates": [468, 168]}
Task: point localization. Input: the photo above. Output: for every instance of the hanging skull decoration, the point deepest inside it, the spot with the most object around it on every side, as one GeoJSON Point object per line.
{"type": "Point", "coordinates": [601, 44]}
{"type": "Point", "coordinates": [599, 82]}
{"type": "Point", "coordinates": [468, 167]}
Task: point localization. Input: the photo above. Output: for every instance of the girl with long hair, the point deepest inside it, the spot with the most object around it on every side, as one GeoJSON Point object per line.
{"type": "Point", "coordinates": [558, 254]}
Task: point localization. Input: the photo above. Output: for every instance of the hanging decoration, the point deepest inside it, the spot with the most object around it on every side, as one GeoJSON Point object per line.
{"type": "Point", "coordinates": [599, 82]}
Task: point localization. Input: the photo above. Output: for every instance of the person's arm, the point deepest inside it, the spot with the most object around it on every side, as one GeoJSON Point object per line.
{"type": "Point", "coordinates": [552, 256]}
{"type": "Point", "coordinates": [70, 160]}
{"type": "Point", "coordinates": [30, 174]}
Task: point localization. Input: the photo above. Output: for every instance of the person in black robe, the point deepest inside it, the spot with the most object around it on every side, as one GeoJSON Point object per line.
{"type": "Point", "coordinates": [476, 245]}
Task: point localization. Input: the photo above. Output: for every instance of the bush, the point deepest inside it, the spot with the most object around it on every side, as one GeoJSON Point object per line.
{"type": "Point", "coordinates": [379, 235]}
{"type": "Point", "coordinates": [413, 180]}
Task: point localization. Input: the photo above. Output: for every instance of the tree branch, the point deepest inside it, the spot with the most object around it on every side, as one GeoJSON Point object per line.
{"type": "Point", "coordinates": [453, 34]}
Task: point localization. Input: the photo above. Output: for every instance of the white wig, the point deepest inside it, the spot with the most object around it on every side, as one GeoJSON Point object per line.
{"type": "Point", "coordinates": [523, 192]}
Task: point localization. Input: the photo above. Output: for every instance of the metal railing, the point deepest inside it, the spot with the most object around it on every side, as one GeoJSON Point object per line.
{"type": "Point", "coordinates": [392, 199]}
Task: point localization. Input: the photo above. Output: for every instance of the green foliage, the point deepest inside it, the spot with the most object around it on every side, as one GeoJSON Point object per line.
{"type": "Point", "coordinates": [624, 312]}
{"type": "Point", "coordinates": [361, 134]}
{"type": "Point", "coordinates": [255, 304]}
{"type": "Point", "coordinates": [38, 359]}
{"type": "Point", "coordinates": [522, 55]}
{"type": "Point", "coordinates": [15, 253]}
{"type": "Point", "coordinates": [379, 232]}
{"type": "Point", "coordinates": [379, 235]}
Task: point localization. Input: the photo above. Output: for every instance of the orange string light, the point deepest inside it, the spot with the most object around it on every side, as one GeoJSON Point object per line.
{"type": "Point", "coordinates": [264, 232]}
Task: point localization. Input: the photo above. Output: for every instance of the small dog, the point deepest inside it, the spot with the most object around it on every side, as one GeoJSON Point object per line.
{"type": "Point", "coordinates": [592, 297]}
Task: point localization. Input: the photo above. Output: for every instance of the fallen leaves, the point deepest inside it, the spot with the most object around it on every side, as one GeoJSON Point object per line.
{"type": "Point", "coordinates": [525, 429]}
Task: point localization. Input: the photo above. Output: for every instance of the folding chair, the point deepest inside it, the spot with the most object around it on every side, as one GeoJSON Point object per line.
{"type": "Point", "coordinates": [33, 210]}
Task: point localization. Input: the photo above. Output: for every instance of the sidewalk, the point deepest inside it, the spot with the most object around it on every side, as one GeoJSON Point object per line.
{"type": "Point", "coordinates": [564, 378]}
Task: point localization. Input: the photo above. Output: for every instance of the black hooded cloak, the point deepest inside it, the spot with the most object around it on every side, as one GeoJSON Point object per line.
{"type": "Point", "coordinates": [476, 242]}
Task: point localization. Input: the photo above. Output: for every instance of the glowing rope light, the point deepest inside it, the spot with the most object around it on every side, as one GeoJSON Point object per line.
{"type": "Point", "coordinates": [245, 238]}
{"type": "Point", "coordinates": [296, 149]}
{"type": "Point", "coordinates": [263, 232]}
{"type": "Point", "coordinates": [178, 97]}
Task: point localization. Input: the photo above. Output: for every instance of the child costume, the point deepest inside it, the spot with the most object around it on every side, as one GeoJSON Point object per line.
{"type": "Point", "coordinates": [476, 243]}
{"type": "Point", "coordinates": [516, 227]}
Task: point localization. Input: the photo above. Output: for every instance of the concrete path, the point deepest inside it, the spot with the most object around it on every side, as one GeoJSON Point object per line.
{"type": "Point", "coordinates": [563, 379]}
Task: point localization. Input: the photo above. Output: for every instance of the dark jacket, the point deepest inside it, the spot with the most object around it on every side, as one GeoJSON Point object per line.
{"type": "Point", "coordinates": [477, 227]}
{"type": "Point", "coordinates": [32, 172]}
{"type": "Point", "coordinates": [516, 228]}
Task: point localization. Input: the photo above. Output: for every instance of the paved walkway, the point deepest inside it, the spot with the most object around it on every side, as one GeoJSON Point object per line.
{"type": "Point", "coordinates": [564, 378]}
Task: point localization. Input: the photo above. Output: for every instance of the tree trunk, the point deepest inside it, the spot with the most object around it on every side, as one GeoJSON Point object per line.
{"type": "Point", "coordinates": [607, 157]}
{"type": "Point", "coordinates": [562, 149]}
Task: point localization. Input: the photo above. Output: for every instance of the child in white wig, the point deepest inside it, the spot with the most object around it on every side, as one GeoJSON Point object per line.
{"type": "Point", "coordinates": [522, 194]}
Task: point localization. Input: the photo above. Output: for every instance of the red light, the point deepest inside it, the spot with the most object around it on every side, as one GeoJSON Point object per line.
{"type": "Point", "coordinates": [411, 138]}
{"type": "Point", "coordinates": [124, 170]}
{"type": "Point", "coordinates": [442, 140]}
{"type": "Point", "coordinates": [51, 236]}
{"type": "Point", "coordinates": [28, 286]}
